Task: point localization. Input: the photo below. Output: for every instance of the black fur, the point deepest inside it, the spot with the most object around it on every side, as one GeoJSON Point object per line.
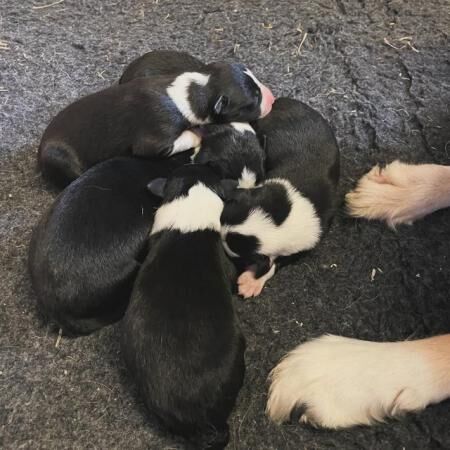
{"type": "Point", "coordinates": [161, 62]}
{"type": "Point", "coordinates": [129, 119]}
{"type": "Point", "coordinates": [228, 151]}
{"type": "Point", "coordinates": [85, 252]}
{"type": "Point", "coordinates": [139, 118]}
{"type": "Point", "coordinates": [241, 97]}
{"type": "Point", "coordinates": [181, 339]}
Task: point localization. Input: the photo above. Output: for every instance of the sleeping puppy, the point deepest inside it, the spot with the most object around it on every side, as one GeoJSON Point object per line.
{"type": "Point", "coordinates": [148, 117]}
{"type": "Point", "coordinates": [181, 339]}
{"type": "Point", "coordinates": [288, 213]}
{"type": "Point", "coordinates": [161, 62]}
{"type": "Point", "coordinates": [86, 251]}
{"type": "Point", "coordinates": [233, 151]}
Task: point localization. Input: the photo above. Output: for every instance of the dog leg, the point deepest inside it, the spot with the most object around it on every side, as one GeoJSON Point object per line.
{"type": "Point", "coordinates": [342, 382]}
{"type": "Point", "coordinates": [400, 193]}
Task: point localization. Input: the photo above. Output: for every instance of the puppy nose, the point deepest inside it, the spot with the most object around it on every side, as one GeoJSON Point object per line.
{"type": "Point", "coordinates": [267, 100]}
{"type": "Point", "coordinates": [270, 98]}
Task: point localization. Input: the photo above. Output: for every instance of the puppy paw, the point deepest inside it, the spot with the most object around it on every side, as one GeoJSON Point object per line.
{"type": "Point", "coordinates": [249, 286]}
{"type": "Point", "coordinates": [340, 382]}
{"type": "Point", "coordinates": [185, 141]}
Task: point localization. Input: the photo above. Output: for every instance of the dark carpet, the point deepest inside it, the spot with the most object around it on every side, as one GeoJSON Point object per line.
{"type": "Point", "coordinates": [378, 70]}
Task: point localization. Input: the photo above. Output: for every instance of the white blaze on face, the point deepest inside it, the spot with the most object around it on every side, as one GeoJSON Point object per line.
{"type": "Point", "coordinates": [178, 91]}
{"type": "Point", "coordinates": [267, 98]}
{"type": "Point", "coordinates": [200, 209]}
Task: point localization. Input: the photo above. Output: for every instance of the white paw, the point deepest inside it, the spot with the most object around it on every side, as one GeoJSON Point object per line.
{"type": "Point", "coordinates": [342, 382]}
{"type": "Point", "coordinates": [185, 141]}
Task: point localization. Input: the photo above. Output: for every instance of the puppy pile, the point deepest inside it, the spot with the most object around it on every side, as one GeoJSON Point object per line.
{"type": "Point", "coordinates": [230, 172]}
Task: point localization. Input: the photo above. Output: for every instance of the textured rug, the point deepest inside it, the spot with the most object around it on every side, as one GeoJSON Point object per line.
{"type": "Point", "coordinates": [378, 70]}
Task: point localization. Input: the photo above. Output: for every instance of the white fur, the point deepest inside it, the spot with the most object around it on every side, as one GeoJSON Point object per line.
{"type": "Point", "coordinates": [242, 127]}
{"type": "Point", "coordinates": [186, 140]}
{"type": "Point", "coordinates": [178, 91]}
{"type": "Point", "coordinates": [247, 179]}
{"type": "Point", "coordinates": [400, 193]}
{"type": "Point", "coordinates": [300, 231]}
{"type": "Point", "coordinates": [250, 74]}
{"type": "Point", "coordinates": [199, 210]}
{"type": "Point", "coordinates": [344, 382]}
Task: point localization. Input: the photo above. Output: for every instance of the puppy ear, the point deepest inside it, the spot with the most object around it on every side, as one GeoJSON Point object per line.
{"type": "Point", "coordinates": [156, 186]}
{"type": "Point", "coordinates": [228, 186]}
{"type": "Point", "coordinates": [221, 104]}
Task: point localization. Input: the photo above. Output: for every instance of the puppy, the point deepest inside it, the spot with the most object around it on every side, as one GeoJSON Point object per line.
{"type": "Point", "coordinates": [289, 211]}
{"type": "Point", "coordinates": [233, 151]}
{"type": "Point", "coordinates": [161, 62]}
{"type": "Point", "coordinates": [86, 251]}
{"type": "Point", "coordinates": [400, 193]}
{"type": "Point", "coordinates": [148, 117]}
{"type": "Point", "coordinates": [338, 382]}
{"type": "Point", "coordinates": [181, 339]}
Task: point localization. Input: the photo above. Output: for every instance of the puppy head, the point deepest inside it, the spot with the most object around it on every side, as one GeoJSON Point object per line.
{"type": "Point", "coordinates": [233, 151]}
{"type": "Point", "coordinates": [250, 217]}
{"type": "Point", "coordinates": [236, 95]}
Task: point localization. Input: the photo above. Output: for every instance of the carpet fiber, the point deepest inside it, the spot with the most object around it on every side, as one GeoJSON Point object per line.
{"type": "Point", "coordinates": [377, 70]}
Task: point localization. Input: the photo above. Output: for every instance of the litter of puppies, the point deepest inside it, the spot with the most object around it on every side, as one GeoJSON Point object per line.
{"type": "Point", "coordinates": [186, 169]}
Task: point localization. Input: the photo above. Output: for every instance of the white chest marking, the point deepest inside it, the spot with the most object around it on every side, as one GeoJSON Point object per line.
{"type": "Point", "coordinates": [199, 210]}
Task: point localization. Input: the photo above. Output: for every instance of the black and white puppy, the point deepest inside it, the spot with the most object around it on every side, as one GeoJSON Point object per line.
{"type": "Point", "coordinates": [233, 151]}
{"type": "Point", "coordinates": [86, 251]}
{"type": "Point", "coordinates": [288, 213]}
{"type": "Point", "coordinates": [161, 62]}
{"type": "Point", "coordinates": [148, 117]}
{"type": "Point", "coordinates": [181, 338]}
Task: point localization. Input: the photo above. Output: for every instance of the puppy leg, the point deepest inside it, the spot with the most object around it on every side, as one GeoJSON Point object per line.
{"type": "Point", "coordinates": [400, 193]}
{"type": "Point", "coordinates": [186, 140]}
{"type": "Point", "coordinates": [252, 281]}
{"type": "Point", "coordinates": [341, 382]}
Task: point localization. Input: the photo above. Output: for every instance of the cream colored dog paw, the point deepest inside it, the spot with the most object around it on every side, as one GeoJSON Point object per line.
{"type": "Point", "coordinates": [341, 382]}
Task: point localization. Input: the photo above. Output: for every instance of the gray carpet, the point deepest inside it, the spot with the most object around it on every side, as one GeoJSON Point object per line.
{"type": "Point", "coordinates": [378, 70]}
